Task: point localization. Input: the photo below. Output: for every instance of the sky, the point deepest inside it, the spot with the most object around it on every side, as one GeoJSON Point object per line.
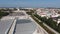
{"type": "Point", "coordinates": [30, 3]}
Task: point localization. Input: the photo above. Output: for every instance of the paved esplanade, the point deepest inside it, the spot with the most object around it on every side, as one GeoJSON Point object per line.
{"type": "Point", "coordinates": [25, 26]}
{"type": "Point", "coordinates": [5, 25]}
{"type": "Point", "coordinates": [17, 14]}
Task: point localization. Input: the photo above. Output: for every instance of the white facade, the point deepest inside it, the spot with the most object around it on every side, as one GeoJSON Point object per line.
{"type": "Point", "coordinates": [58, 21]}
{"type": "Point", "coordinates": [55, 15]}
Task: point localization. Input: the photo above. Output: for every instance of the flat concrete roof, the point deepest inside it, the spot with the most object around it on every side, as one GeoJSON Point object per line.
{"type": "Point", "coordinates": [25, 26]}
{"type": "Point", "coordinates": [5, 25]}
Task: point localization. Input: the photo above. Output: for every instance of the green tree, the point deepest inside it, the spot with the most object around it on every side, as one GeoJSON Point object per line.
{"type": "Point", "coordinates": [58, 27]}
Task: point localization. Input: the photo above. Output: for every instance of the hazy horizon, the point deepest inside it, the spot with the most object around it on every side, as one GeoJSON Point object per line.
{"type": "Point", "coordinates": [30, 3]}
